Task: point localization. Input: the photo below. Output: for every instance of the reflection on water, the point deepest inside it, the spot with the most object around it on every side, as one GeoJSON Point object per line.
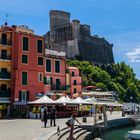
{"type": "Point", "coordinates": [119, 134]}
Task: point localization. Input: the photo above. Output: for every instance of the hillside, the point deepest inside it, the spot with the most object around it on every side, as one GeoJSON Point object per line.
{"type": "Point", "coordinates": [114, 77]}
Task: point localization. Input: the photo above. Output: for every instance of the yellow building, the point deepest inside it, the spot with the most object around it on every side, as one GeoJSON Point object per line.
{"type": "Point", "coordinates": [5, 64]}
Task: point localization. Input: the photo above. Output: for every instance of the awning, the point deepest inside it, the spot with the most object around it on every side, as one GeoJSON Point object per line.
{"type": "Point", "coordinates": [64, 100]}
{"type": "Point", "coordinates": [43, 100]}
{"type": "Point", "coordinates": [80, 101]}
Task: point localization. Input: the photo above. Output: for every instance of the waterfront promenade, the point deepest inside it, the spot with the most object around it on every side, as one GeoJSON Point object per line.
{"type": "Point", "coordinates": [32, 129]}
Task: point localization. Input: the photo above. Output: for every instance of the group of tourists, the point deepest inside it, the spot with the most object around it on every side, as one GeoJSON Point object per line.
{"type": "Point", "coordinates": [46, 114]}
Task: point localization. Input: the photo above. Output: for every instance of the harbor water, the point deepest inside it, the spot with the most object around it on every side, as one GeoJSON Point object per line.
{"type": "Point", "coordinates": [119, 134]}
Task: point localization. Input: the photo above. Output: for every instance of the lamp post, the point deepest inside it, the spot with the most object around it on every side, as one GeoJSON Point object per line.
{"type": "Point", "coordinates": [131, 98]}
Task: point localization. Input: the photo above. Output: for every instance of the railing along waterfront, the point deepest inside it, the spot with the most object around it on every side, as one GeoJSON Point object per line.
{"type": "Point", "coordinates": [59, 87]}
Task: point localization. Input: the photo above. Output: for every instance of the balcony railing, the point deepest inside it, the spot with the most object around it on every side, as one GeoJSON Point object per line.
{"type": "Point", "coordinates": [6, 42]}
{"type": "Point", "coordinates": [4, 94]}
{"type": "Point", "coordinates": [77, 84]}
{"type": "Point", "coordinates": [8, 57]}
{"type": "Point", "coordinates": [57, 87]}
{"type": "Point", "coordinates": [5, 75]}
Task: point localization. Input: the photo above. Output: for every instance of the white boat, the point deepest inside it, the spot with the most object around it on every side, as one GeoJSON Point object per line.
{"type": "Point", "coordinates": [134, 134]}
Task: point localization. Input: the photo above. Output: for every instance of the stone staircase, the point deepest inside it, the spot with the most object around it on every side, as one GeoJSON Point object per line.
{"type": "Point", "coordinates": [79, 133]}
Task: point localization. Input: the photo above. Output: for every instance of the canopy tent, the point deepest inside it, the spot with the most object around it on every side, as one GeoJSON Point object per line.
{"type": "Point", "coordinates": [114, 104]}
{"type": "Point", "coordinates": [90, 100]}
{"type": "Point", "coordinates": [95, 102]}
{"type": "Point", "coordinates": [80, 101]}
{"type": "Point", "coordinates": [43, 100]}
{"type": "Point", "coordinates": [64, 100]}
{"type": "Point", "coordinates": [108, 104]}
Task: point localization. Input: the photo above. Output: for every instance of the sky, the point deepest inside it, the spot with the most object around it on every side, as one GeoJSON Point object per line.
{"type": "Point", "coordinates": [118, 21]}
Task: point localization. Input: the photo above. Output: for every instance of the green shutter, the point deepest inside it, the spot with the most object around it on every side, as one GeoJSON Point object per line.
{"type": "Point", "coordinates": [25, 43]}
{"type": "Point", "coordinates": [40, 60]}
{"type": "Point", "coordinates": [57, 66]}
{"type": "Point", "coordinates": [48, 65]}
{"type": "Point", "coordinates": [27, 96]}
{"type": "Point", "coordinates": [24, 59]}
{"type": "Point", "coordinates": [24, 78]}
{"type": "Point", "coordinates": [20, 95]}
{"type": "Point", "coordinates": [39, 46]}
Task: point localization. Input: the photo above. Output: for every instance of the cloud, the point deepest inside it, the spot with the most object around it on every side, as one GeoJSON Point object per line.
{"type": "Point", "coordinates": [134, 56]}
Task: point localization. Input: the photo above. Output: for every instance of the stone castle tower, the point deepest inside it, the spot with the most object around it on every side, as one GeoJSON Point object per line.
{"type": "Point", "coordinates": [75, 39]}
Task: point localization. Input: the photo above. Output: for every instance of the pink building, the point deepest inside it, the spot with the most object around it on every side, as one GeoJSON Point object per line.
{"type": "Point", "coordinates": [55, 71]}
{"type": "Point", "coordinates": [73, 80]}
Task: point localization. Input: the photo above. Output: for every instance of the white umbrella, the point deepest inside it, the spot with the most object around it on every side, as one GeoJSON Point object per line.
{"type": "Point", "coordinates": [43, 100]}
{"type": "Point", "coordinates": [90, 100]}
{"type": "Point", "coordinates": [80, 101]}
{"type": "Point", "coordinates": [64, 100]}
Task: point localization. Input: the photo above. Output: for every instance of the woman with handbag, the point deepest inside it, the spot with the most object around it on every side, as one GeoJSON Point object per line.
{"type": "Point", "coordinates": [72, 123]}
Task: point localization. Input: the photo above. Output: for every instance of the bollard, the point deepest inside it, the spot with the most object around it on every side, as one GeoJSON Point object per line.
{"type": "Point", "coordinates": [84, 119]}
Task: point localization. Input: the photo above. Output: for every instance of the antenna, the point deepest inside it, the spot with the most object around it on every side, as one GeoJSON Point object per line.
{"type": "Point", "coordinates": [6, 19]}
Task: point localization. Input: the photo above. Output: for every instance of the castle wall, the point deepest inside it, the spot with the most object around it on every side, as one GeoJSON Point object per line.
{"type": "Point", "coordinates": [75, 39]}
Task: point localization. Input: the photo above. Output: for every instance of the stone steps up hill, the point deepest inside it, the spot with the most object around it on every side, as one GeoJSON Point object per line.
{"type": "Point", "coordinates": [79, 133]}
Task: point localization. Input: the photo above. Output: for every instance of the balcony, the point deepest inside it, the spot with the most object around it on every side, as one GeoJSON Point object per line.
{"type": "Point", "coordinates": [59, 87]}
{"type": "Point", "coordinates": [5, 42]}
{"type": "Point", "coordinates": [5, 75]}
{"type": "Point", "coordinates": [4, 94]}
{"type": "Point", "coordinates": [5, 57]}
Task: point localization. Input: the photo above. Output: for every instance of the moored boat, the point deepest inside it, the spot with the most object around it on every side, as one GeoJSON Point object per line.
{"type": "Point", "coordinates": [134, 134]}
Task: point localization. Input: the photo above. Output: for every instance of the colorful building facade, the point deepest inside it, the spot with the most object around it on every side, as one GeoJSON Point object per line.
{"type": "Point", "coordinates": [74, 81]}
{"type": "Point", "coordinates": [5, 67]}
{"type": "Point", "coordinates": [55, 72]}
{"type": "Point", "coordinates": [27, 65]}
{"type": "Point", "coordinates": [28, 70]}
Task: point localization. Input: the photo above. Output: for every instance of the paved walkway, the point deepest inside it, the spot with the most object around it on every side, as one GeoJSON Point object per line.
{"type": "Point", "coordinates": [29, 129]}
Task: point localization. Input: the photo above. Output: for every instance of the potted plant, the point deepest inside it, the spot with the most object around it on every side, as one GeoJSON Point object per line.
{"type": "Point", "coordinates": [34, 111]}
{"type": "Point", "coordinates": [2, 108]}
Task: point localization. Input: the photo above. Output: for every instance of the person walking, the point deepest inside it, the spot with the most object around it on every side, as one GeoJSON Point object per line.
{"type": "Point", "coordinates": [72, 122]}
{"type": "Point", "coordinates": [53, 115]}
{"type": "Point", "coordinates": [45, 116]}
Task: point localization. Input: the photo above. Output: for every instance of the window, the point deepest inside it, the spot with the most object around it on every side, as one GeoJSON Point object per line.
{"type": "Point", "coordinates": [48, 65]}
{"type": "Point", "coordinates": [40, 60]}
{"type": "Point", "coordinates": [3, 87]}
{"type": "Point", "coordinates": [75, 82]}
{"type": "Point", "coordinates": [4, 70]}
{"type": "Point", "coordinates": [72, 73]}
{"type": "Point", "coordinates": [23, 95]}
{"type": "Point", "coordinates": [75, 90]}
{"type": "Point", "coordinates": [24, 78]}
{"type": "Point", "coordinates": [25, 43]}
{"type": "Point", "coordinates": [3, 54]}
{"type": "Point", "coordinates": [39, 46]}
{"type": "Point", "coordinates": [40, 77]}
{"type": "Point", "coordinates": [48, 80]}
{"type": "Point", "coordinates": [57, 66]}
{"type": "Point", "coordinates": [4, 39]}
{"type": "Point", "coordinates": [58, 84]}
{"type": "Point", "coordinates": [24, 59]}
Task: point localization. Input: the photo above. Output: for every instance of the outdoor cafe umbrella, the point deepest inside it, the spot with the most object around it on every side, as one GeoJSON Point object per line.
{"type": "Point", "coordinates": [64, 100]}
{"type": "Point", "coordinates": [43, 100]}
{"type": "Point", "coordinates": [80, 101]}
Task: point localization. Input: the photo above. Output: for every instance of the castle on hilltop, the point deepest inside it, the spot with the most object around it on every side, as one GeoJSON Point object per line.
{"type": "Point", "coordinates": [76, 40]}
